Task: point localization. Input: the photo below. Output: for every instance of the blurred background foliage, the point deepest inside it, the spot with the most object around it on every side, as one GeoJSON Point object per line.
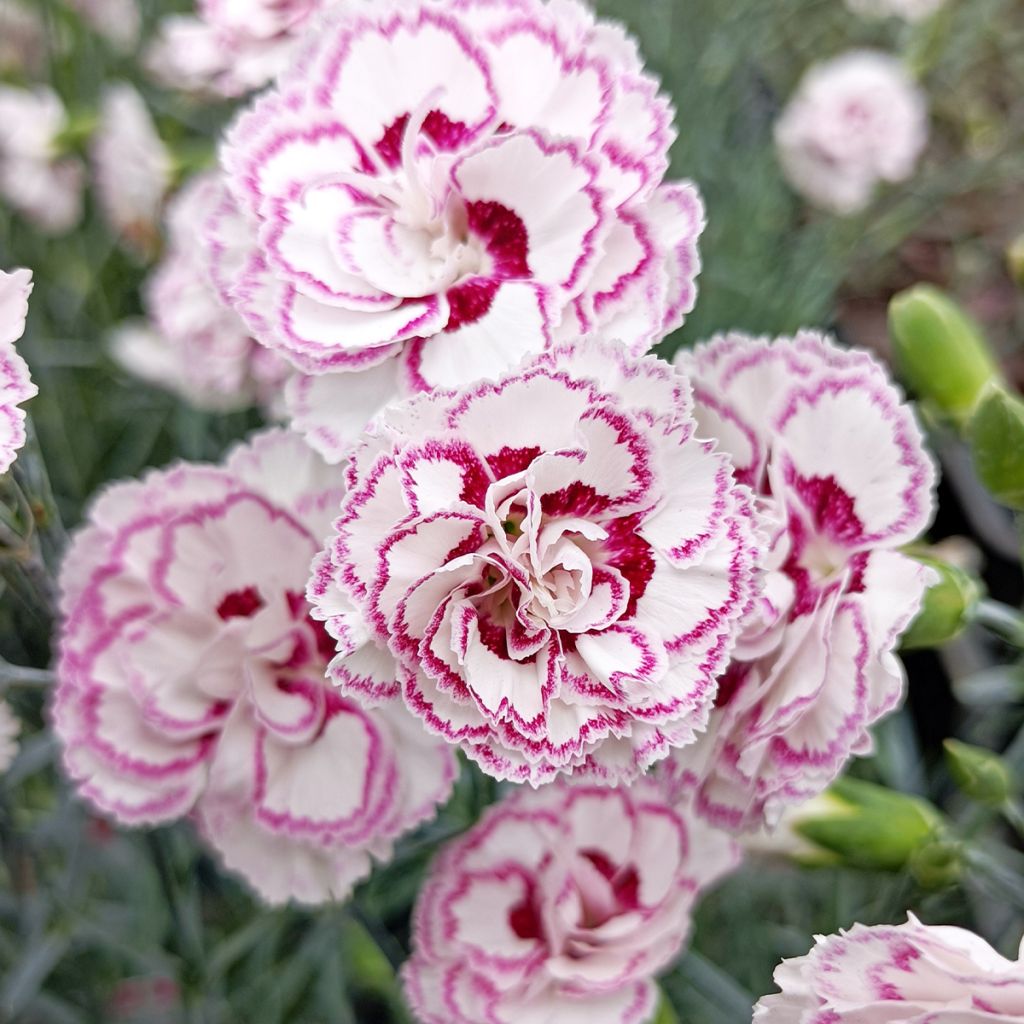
{"type": "Point", "coordinates": [99, 925]}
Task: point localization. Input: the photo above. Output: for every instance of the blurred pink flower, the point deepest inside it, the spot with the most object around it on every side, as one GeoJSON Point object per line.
{"type": "Point", "coordinates": [35, 179]}
{"type": "Point", "coordinates": [887, 974]}
{"type": "Point", "coordinates": [133, 167]}
{"type": "Point", "coordinates": [822, 435]}
{"type": "Point", "coordinates": [15, 381]}
{"type": "Point", "coordinates": [195, 345]}
{"type": "Point", "coordinates": [424, 215]}
{"type": "Point", "coordinates": [560, 906]}
{"type": "Point", "coordinates": [118, 21]}
{"type": "Point", "coordinates": [554, 560]}
{"type": "Point", "coordinates": [855, 121]}
{"type": "Point", "coordinates": [908, 10]}
{"type": "Point", "coordinates": [10, 727]}
{"type": "Point", "coordinates": [22, 37]}
{"type": "Point", "coordinates": [191, 677]}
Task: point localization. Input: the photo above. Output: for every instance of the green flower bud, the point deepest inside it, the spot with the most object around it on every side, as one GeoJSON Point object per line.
{"type": "Point", "coordinates": [940, 351]}
{"type": "Point", "coordinates": [869, 826]}
{"type": "Point", "coordinates": [937, 864]}
{"type": "Point", "coordinates": [996, 436]}
{"type": "Point", "coordinates": [1015, 260]}
{"type": "Point", "coordinates": [980, 773]}
{"type": "Point", "coordinates": [947, 607]}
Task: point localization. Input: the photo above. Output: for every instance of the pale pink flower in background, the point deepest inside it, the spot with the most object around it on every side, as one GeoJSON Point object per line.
{"type": "Point", "coordinates": [118, 21]}
{"type": "Point", "coordinates": [195, 345]}
{"type": "Point", "coordinates": [825, 439]}
{"type": "Point", "coordinates": [884, 974]}
{"type": "Point", "coordinates": [908, 10]}
{"type": "Point", "coordinates": [229, 46]}
{"type": "Point", "coordinates": [15, 382]}
{"type": "Point", "coordinates": [22, 37]}
{"type": "Point", "coordinates": [854, 122]}
{"type": "Point", "coordinates": [191, 677]}
{"type": "Point", "coordinates": [425, 215]}
{"type": "Point", "coordinates": [35, 179]}
{"type": "Point", "coordinates": [557, 564]}
{"type": "Point", "coordinates": [133, 167]}
{"type": "Point", "coordinates": [560, 906]}
{"type": "Point", "coordinates": [10, 728]}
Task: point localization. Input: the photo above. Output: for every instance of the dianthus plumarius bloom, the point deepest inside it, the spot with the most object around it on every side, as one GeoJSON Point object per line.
{"type": "Point", "coordinates": [556, 562]}
{"type": "Point", "coordinates": [22, 37]}
{"type": "Point", "coordinates": [425, 215]}
{"type": "Point", "coordinates": [196, 345]}
{"type": "Point", "coordinates": [229, 46]}
{"type": "Point", "coordinates": [916, 973]}
{"type": "Point", "coordinates": [560, 906]}
{"type": "Point", "coordinates": [15, 382]}
{"type": "Point", "coordinates": [191, 677]}
{"type": "Point", "coordinates": [854, 122]}
{"type": "Point", "coordinates": [10, 727]}
{"type": "Point", "coordinates": [42, 185]}
{"type": "Point", "coordinates": [824, 438]}
{"type": "Point", "coordinates": [133, 167]}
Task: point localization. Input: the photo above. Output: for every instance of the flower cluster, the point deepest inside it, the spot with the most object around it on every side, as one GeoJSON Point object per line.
{"type": "Point", "coordinates": [15, 383]}
{"type": "Point", "coordinates": [886, 974]}
{"type": "Point", "coordinates": [191, 677]}
{"type": "Point", "coordinates": [427, 216]}
{"type": "Point", "coordinates": [560, 906]}
{"type": "Point", "coordinates": [197, 346]}
{"type": "Point", "coordinates": [822, 437]}
{"type": "Point", "coordinates": [854, 122]}
{"type": "Point", "coordinates": [555, 561]}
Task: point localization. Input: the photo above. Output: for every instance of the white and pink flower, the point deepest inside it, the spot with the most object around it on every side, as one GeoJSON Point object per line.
{"type": "Point", "coordinates": [854, 122]}
{"type": "Point", "coordinates": [38, 181]}
{"type": "Point", "coordinates": [118, 21]}
{"type": "Point", "coordinates": [191, 677]}
{"type": "Point", "coordinates": [196, 346]}
{"type": "Point", "coordinates": [560, 905]}
{"type": "Point", "coordinates": [15, 381]}
{"type": "Point", "coordinates": [556, 562]}
{"type": "Point", "coordinates": [897, 973]}
{"type": "Point", "coordinates": [426, 215]}
{"type": "Point", "coordinates": [23, 41]}
{"type": "Point", "coordinates": [822, 435]}
{"type": "Point", "coordinates": [908, 10]}
{"type": "Point", "coordinates": [133, 167]}
{"type": "Point", "coordinates": [229, 46]}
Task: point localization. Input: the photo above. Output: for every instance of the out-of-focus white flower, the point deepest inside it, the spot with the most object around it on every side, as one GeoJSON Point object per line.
{"type": "Point", "coordinates": [556, 562]}
{"type": "Point", "coordinates": [10, 728]}
{"type": "Point", "coordinates": [15, 382]}
{"type": "Point", "coordinates": [908, 10]}
{"type": "Point", "coordinates": [35, 179]}
{"type": "Point", "coordinates": [132, 165]}
{"type": "Point", "coordinates": [22, 37]}
{"type": "Point", "coordinates": [118, 21]}
{"type": "Point", "coordinates": [560, 906]}
{"type": "Point", "coordinates": [854, 122]}
{"type": "Point", "coordinates": [823, 437]}
{"type": "Point", "coordinates": [425, 213]}
{"type": "Point", "coordinates": [191, 677]}
{"type": "Point", "coordinates": [195, 345]}
{"type": "Point", "coordinates": [897, 974]}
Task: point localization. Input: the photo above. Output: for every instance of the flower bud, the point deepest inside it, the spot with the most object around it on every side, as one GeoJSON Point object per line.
{"type": "Point", "coordinates": [869, 826]}
{"type": "Point", "coordinates": [980, 773]}
{"type": "Point", "coordinates": [938, 863]}
{"type": "Point", "coordinates": [947, 607]}
{"type": "Point", "coordinates": [940, 351]}
{"type": "Point", "coordinates": [996, 436]}
{"type": "Point", "coordinates": [1015, 260]}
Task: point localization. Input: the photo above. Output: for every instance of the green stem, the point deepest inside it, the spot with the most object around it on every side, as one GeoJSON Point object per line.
{"type": "Point", "coordinates": [1003, 620]}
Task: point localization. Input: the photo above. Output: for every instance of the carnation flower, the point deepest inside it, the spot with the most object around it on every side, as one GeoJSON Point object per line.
{"type": "Point", "coordinates": [35, 179]}
{"type": "Point", "coordinates": [191, 677]}
{"type": "Point", "coordinates": [231, 46]}
{"type": "Point", "coordinates": [22, 37]}
{"type": "Point", "coordinates": [822, 435]}
{"type": "Point", "coordinates": [10, 727]}
{"type": "Point", "coordinates": [133, 167]}
{"type": "Point", "coordinates": [855, 121]}
{"type": "Point", "coordinates": [886, 974]}
{"type": "Point", "coordinates": [118, 21]}
{"type": "Point", "coordinates": [15, 382]}
{"type": "Point", "coordinates": [560, 905]}
{"type": "Point", "coordinates": [425, 213]}
{"type": "Point", "coordinates": [556, 562]}
{"type": "Point", "coordinates": [197, 346]}
{"type": "Point", "coordinates": [908, 10]}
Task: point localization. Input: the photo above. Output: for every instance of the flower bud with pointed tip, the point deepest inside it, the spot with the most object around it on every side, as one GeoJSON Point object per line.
{"type": "Point", "coordinates": [980, 773]}
{"type": "Point", "coordinates": [940, 351]}
{"type": "Point", "coordinates": [996, 436]}
{"type": "Point", "coordinates": [937, 864]}
{"type": "Point", "coordinates": [1015, 260]}
{"type": "Point", "coordinates": [948, 604]}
